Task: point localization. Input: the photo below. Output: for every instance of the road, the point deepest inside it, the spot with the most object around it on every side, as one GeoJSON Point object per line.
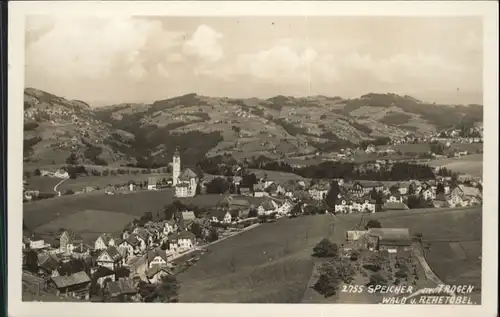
{"type": "Point", "coordinates": [57, 185]}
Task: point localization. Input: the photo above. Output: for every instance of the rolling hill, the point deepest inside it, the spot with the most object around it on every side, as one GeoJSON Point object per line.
{"type": "Point", "coordinates": [198, 125]}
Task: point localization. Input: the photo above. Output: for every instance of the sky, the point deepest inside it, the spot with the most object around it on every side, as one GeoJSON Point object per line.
{"type": "Point", "coordinates": [106, 61]}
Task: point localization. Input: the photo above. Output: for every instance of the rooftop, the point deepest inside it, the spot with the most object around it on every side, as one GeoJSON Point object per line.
{"type": "Point", "coordinates": [391, 236]}
{"type": "Point", "coordinates": [73, 279]}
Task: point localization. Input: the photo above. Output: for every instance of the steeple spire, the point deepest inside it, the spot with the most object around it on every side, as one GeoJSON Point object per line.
{"type": "Point", "coordinates": [176, 153]}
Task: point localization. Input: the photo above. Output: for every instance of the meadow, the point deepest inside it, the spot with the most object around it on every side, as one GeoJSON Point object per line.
{"type": "Point", "coordinates": [88, 223]}
{"type": "Point", "coordinates": [37, 213]}
{"type": "Point", "coordinates": [272, 263]}
{"type": "Point", "coordinates": [46, 184]}
{"type": "Point", "coordinates": [469, 164]}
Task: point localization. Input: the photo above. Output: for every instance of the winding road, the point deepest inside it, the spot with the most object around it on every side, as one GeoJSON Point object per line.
{"type": "Point", "coordinates": [57, 185]}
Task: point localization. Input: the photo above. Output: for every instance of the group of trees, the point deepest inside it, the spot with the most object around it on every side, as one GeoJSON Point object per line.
{"type": "Point", "coordinates": [334, 271]}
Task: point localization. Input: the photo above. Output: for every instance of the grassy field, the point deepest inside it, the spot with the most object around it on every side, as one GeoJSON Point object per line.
{"type": "Point", "coordinates": [272, 263]}
{"type": "Point", "coordinates": [40, 212]}
{"type": "Point", "coordinates": [470, 164]}
{"type": "Point", "coordinates": [46, 184]}
{"type": "Point", "coordinates": [276, 176]}
{"type": "Point", "coordinates": [88, 223]}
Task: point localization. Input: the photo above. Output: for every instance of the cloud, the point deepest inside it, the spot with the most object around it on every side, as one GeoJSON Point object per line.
{"type": "Point", "coordinates": [204, 44]}
{"type": "Point", "coordinates": [94, 48]}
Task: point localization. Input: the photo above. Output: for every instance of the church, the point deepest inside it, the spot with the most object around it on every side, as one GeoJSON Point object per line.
{"type": "Point", "coordinates": [185, 182]}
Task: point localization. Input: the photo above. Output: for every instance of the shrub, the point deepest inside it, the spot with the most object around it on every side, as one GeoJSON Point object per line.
{"type": "Point", "coordinates": [325, 248]}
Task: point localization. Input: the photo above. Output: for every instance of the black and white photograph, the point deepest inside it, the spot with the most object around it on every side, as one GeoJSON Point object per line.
{"type": "Point", "coordinates": [253, 158]}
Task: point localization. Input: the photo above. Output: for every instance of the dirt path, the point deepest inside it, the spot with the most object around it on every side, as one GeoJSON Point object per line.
{"type": "Point", "coordinates": [57, 185]}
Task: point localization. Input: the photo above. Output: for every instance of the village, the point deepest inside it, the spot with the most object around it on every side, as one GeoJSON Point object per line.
{"type": "Point", "coordinates": [118, 266]}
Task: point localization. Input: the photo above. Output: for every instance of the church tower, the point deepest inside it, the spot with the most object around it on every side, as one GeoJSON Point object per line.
{"type": "Point", "coordinates": [176, 167]}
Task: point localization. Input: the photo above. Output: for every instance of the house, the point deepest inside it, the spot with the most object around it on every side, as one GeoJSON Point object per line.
{"type": "Point", "coordinates": [231, 204]}
{"type": "Point", "coordinates": [169, 226]}
{"type": "Point", "coordinates": [355, 235]}
{"type": "Point", "coordinates": [48, 263]}
{"type": "Point", "coordinates": [188, 217]}
{"type": "Point", "coordinates": [466, 192]}
{"type": "Point", "coordinates": [124, 288]}
{"type": "Point", "coordinates": [368, 186]}
{"type": "Point", "coordinates": [38, 244]}
{"type": "Point", "coordinates": [34, 283]}
{"type": "Point", "coordinates": [343, 207]}
{"type": "Point", "coordinates": [81, 251]}
{"type": "Point", "coordinates": [428, 194]}
{"type": "Point", "coordinates": [403, 188]}
{"type": "Point", "coordinates": [370, 149]}
{"type": "Point", "coordinates": [103, 241]}
{"type": "Point", "coordinates": [390, 205]}
{"type": "Point", "coordinates": [440, 201]}
{"type": "Point", "coordinates": [143, 235]}
{"type": "Point", "coordinates": [285, 208]}
{"type": "Point", "coordinates": [259, 190]}
{"type": "Point", "coordinates": [156, 273]}
{"type": "Point", "coordinates": [395, 198]}
{"type": "Point", "coordinates": [186, 240]}
{"type": "Point", "coordinates": [103, 274]}
{"type": "Point", "coordinates": [68, 240]}
{"type": "Point", "coordinates": [222, 217]}
{"type": "Point", "coordinates": [60, 173]}
{"type": "Point", "coordinates": [158, 257]}
{"type": "Point", "coordinates": [245, 191]}
{"type": "Point", "coordinates": [110, 258]}
{"type": "Point", "coordinates": [152, 183]}
{"type": "Point", "coordinates": [456, 201]}
{"type": "Point", "coordinates": [131, 245]}
{"type": "Point", "coordinates": [76, 285]}
{"type": "Point", "coordinates": [392, 240]}
{"type": "Point", "coordinates": [355, 189]}
{"type": "Point", "coordinates": [318, 191]}
{"type": "Point", "coordinates": [267, 207]}
{"type": "Point", "coordinates": [368, 205]}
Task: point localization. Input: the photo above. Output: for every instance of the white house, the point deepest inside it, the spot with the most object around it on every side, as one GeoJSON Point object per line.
{"type": "Point", "coordinates": [343, 207]}
{"type": "Point", "coordinates": [110, 258]}
{"type": "Point", "coordinates": [156, 273]}
{"type": "Point", "coordinates": [285, 208]}
{"type": "Point", "coordinates": [318, 191]}
{"type": "Point", "coordinates": [368, 206]}
{"type": "Point", "coordinates": [186, 240]}
{"type": "Point", "coordinates": [169, 226]}
{"type": "Point", "coordinates": [395, 198]}
{"type": "Point", "coordinates": [267, 207]}
{"type": "Point", "coordinates": [428, 194]}
{"type": "Point", "coordinates": [38, 245]}
{"type": "Point", "coordinates": [104, 241]}
{"type": "Point", "coordinates": [152, 183]}
{"type": "Point", "coordinates": [158, 257]}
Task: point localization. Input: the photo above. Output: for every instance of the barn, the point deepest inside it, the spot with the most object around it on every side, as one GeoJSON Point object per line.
{"type": "Point", "coordinates": [392, 240]}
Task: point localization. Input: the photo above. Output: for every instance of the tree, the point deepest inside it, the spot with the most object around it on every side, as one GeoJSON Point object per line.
{"type": "Point", "coordinates": [69, 192]}
{"type": "Point", "coordinates": [37, 172]}
{"type": "Point", "coordinates": [197, 230]}
{"type": "Point", "coordinates": [168, 290]}
{"type": "Point", "coordinates": [373, 224]}
{"type": "Point", "coordinates": [328, 281]}
{"type": "Point", "coordinates": [213, 235]}
{"type": "Point", "coordinates": [377, 279]}
{"type": "Point", "coordinates": [217, 185]}
{"type": "Point", "coordinates": [72, 159]}
{"type": "Point", "coordinates": [374, 194]}
{"type": "Point", "coordinates": [249, 180]}
{"type": "Point", "coordinates": [325, 248]}
{"type": "Point", "coordinates": [253, 212]}
{"type": "Point", "coordinates": [332, 195]}
{"type": "Point", "coordinates": [122, 272]}
{"type": "Point", "coordinates": [439, 189]}
{"type": "Point", "coordinates": [411, 189]}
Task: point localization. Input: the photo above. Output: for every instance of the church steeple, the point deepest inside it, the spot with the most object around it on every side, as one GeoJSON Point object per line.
{"type": "Point", "coordinates": [176, 167]}
{"type": "Point", "coordinates": [177, 153]}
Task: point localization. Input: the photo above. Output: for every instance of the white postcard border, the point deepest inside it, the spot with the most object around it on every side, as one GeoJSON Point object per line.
{"type": "Point", "coordinates": [17, 12]}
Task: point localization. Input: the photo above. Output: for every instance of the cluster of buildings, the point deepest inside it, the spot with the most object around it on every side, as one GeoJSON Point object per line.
{"type": "Point", "coordinates": [145, 252]}
{"type": "Point", "coordinates": [392, 240]}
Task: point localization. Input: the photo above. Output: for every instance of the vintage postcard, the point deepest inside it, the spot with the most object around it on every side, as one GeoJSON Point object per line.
{"type": "Point", "coordinates": [327, 154]}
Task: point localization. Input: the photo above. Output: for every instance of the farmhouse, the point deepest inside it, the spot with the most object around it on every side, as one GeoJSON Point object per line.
{"type": "Point", "coordinates": [110, 258]}
{"type": "Point", "coordinates": [259, 190]}
{"type": "Point", "coordinates": [389, 239]}
{"type": "Point", "coordinates": [231, 204]}
{"type": "Point", "coordinates": [222, 217]}
{"type": "Point", "coordinates": [122, 287]}
{"type": "Point", "coordinates": [156, 273]}
{"type": "Point", "coordinates": [76, 285]}
{"type": "Point", "coordinates": [188, 217]}
{"type": "Point", "coordinates": [318, 191]}
{"type": "Point", "coordinates": [102, 274]}
{"type": "Point", "coordinates": [158, 257]}
{"type": "Point", "coordinates": [69, 240]}
{"type": "Point", "coordinates": [390, 205]}
{"type": "Point", "coordinates": [48, 263]}
{"type": "Point", "coordinates": [267, 207]}
{"type": "Point", "coordinates": [103, 241]}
